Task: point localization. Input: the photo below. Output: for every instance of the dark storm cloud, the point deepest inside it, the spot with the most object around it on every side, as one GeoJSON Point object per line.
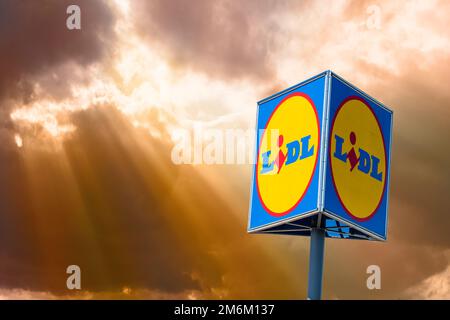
{"type": "Point", "coordinates": [114, 204]}
{"type": "Point", "coordinates": [102, 215]}
{"type": "Point", "coordinates": [418, 238]}
{"type": "Point", "coordinates": [221, 38]}
{"type": "Point", "coordinates": [420, 156]}
{"type": "Point", "coordinates": [34, 39]}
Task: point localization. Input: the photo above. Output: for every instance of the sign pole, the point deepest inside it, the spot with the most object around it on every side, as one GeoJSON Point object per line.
{"type": "Point", "coordinates": [316, 264]}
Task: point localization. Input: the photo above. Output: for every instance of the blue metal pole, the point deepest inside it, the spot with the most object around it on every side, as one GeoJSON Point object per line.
{"type": "Point", "coordinates": [316, 264]}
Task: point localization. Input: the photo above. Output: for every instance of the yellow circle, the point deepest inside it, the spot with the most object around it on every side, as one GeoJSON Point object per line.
{"type": "Point", "coordinates": [360, 189]}
{"type": "Point", "coordinates": [293, 119]}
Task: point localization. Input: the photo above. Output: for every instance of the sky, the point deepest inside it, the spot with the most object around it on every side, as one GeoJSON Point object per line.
{"type": "Point", "coordinates": [87, 124]}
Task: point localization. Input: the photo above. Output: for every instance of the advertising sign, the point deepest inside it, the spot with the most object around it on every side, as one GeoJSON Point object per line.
{"type": "Point", "coordinates": [322, 160]}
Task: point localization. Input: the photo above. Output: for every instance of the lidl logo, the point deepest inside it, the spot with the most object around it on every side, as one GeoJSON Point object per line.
{"type": "Point", "coordinates": [366, 162]}
{"type": "Point", "coordinates": [357, 158]}
{"type": "Point", "coordinates": [287, 154]}
{"type": "Point", "coordinates": [296, 150]}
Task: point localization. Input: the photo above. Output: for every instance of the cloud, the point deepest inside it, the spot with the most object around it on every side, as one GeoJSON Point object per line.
{"type": "Point", "coordinates": [221, 38]}
{"type": "Point", "coordinates": [34, 40]}
{"type": "Point", "coordinates": [435, 287]}
{"type": "Point", "coordinates": [125, 239]}
{"type": "Point", "coordinates": [419, 170]}
{"type": "Point", "coordinates": [112, 202]}
{"type": "Point", "coordinates": [124, 294]}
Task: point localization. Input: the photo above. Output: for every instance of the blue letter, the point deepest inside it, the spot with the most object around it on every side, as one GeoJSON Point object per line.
{"type": "Point", "coordinates": [375, 174]}
{"type": "Point", "coordinates": [266, 167]}
{"type": "Point", "coordinates": [305, 152]}
{"type": "Point", "coordinates": [338, 152]}
{"type": "Point", "coordinates": [293, 150]}
{"type": "Point", "coordinates": [364, 161]}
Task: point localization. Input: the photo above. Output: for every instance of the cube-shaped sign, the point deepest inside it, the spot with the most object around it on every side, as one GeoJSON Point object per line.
{"type": "Point", "coordinates": [322, 161]}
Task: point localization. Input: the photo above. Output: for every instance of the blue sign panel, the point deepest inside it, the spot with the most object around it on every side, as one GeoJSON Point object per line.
{"type": "Point", "coordinates": [285, 182]}
{"type": "Point", "coordinates": [358, 159]}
